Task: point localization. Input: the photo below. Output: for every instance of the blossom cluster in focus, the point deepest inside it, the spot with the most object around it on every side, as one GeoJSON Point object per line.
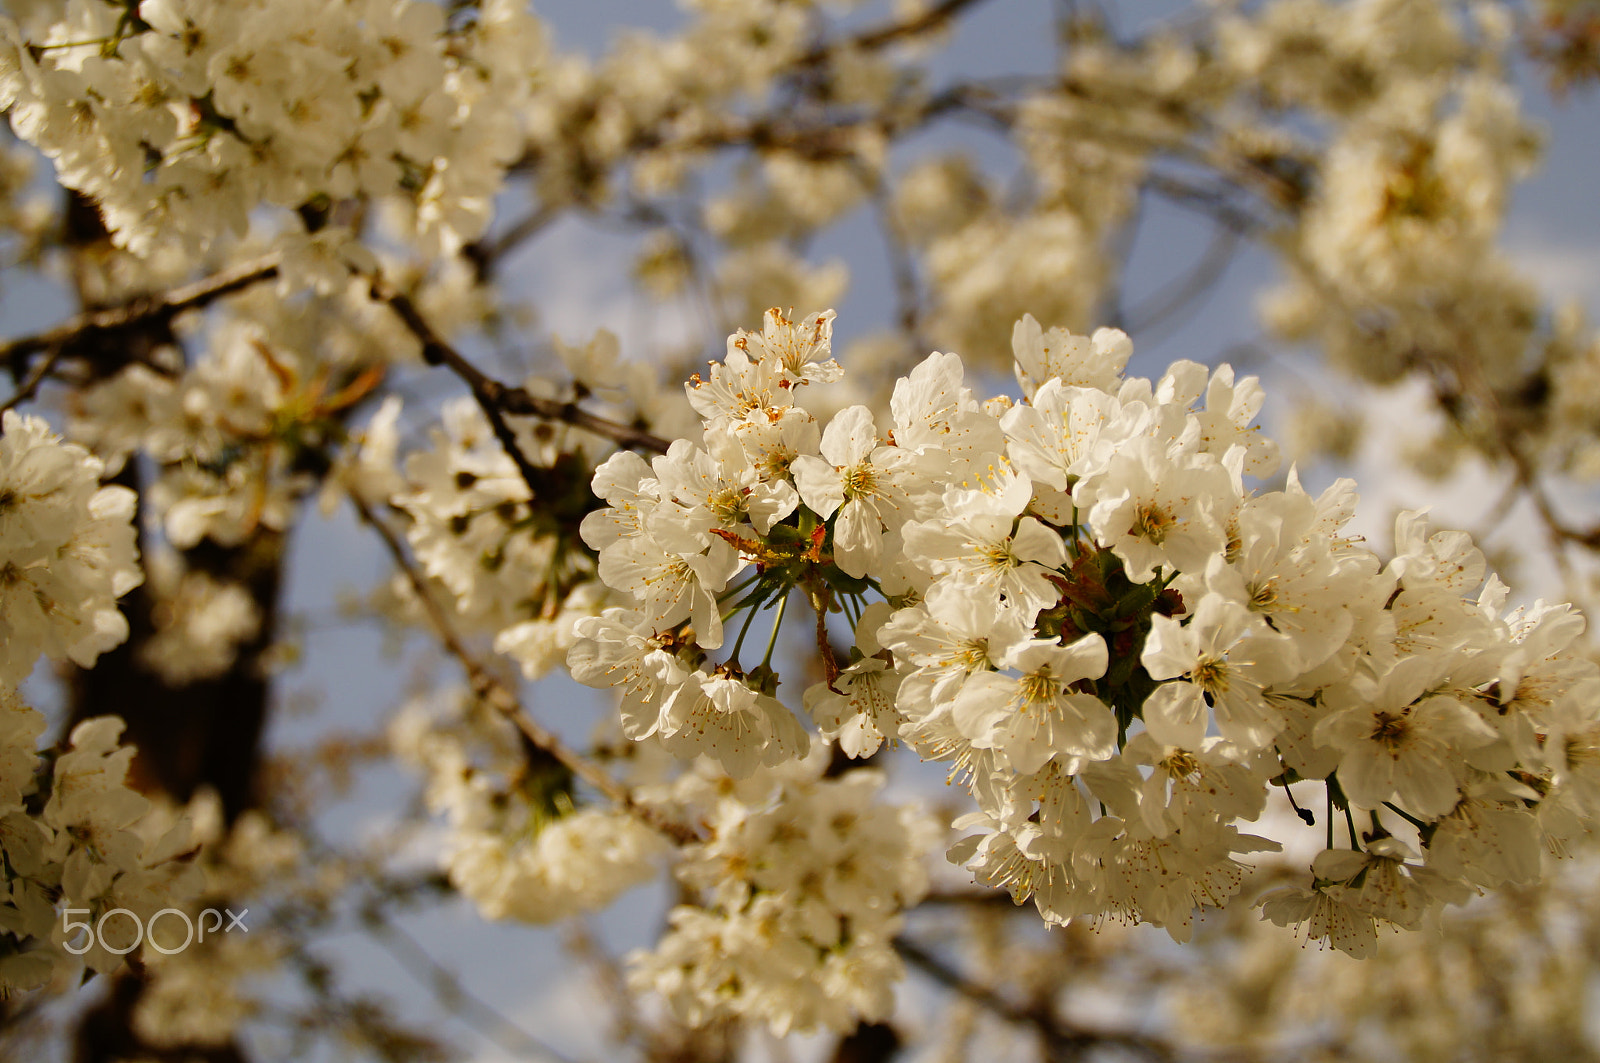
{"type": "Point", "coordinates": [1080, 602]}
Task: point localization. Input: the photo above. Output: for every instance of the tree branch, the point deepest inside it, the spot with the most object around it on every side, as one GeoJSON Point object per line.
{"type": "Point", "coordinates": [1183, 291]}
{"type": "Point", "coordinates": [881, 37]}
{"type": "Point", "coordinates": [485, 254]}
{"type": "Point", "coordinates": [87, 332]}
{"type": "Point", "coordinates": [902, 267]}
{"type": "Point", "coordinates": [448, 990]}
{"type": "Point", "coordinates": [499, 697]}
{"type": "Point", "coordinates": [497, 398]}
{"type": "Point", "coordinates": [26, 389]}
{"type": "Point", "coordinates": [1063, 1041]}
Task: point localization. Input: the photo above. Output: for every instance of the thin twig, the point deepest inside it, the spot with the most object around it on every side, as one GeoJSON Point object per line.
{"type": "Point", "coordinates": [408, 313]}
{"type": "Point", "coordinates": [1118, 251]}
{"type": "Point", "coordinates": [612, 983]}
{"type": "Point", "coordinates": [36, 377]}
{"type": "Point", "coordinates": [1500, 510]}
{"type": "Point", "coordinates": [1062, 1040]}
{"type": "Point", "coordinates": [447, 988]}
{"type": "Point", "coordinates": [981, 898]}
{"type": "Point", "coordinates": [1209, 201]}
{"type": "Point", "coordinates": [933, 18]}
{"type": "Point", "coordinates": [499, 697]}
{"type": "Point", "coordinates": [491, 394]}
{"type": "Point", "coordinates": [75, 334]}
{"type": "Point", "coordinates": [1205, 274]}
{"type": "Point", "coordinates": [907, 297]}
{"type": "Point", "coordinates": [486, 254]}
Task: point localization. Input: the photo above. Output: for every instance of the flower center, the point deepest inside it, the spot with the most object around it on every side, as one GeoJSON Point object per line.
{"type": "Point", "coordinates": [1038, 689]}
{"type": "Point", "coordinates": [1211, 675]}
{"type": "Point", "coordinates": [1181, 765]}
{"type": "Point", "coordinates": [1389, 728]}
{"type": "Point", "coordinates": [1263, 596]}
{"type": "Point", "coordinates": [861, 481]}
{"type": "Point", "coordinates": [1152, 522]}
{"type": "Point", "coordinates": [727, 503]}
{"type": "Point", "coordinates": [973, 655]}
{"type": "Point", "coordinates": [997, 555]}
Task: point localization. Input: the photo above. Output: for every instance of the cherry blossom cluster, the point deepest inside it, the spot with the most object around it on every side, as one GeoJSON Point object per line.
{"type": "Point", "coordinates": [201, 994]}
{"type": "Point", "coordinates": [68, 834]}
{"type": "Point", "coordinates": [508, 561]}
{"type": "Point", "coordinates": [518, 848]}
{"type": "Point", "coordinates": [798, 890]}
{"type": "Point", "coordinates": [1078, 599]}
{"type": "Point", "coordinates": [179, 117]}
{"type": "Point", "coordinates": [68, 551]}
{"type": "Point", "coordinates": [225, 449]}
{"type": "Point", "coordinates": [73, 839]}
{"type": "Point", "coordinates": [225, 432]}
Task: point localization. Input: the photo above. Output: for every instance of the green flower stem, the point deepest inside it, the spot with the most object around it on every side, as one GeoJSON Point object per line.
{"type": "Point", "coordinates": [749, 616]}
{"type": "Point", "coordinates": [777, 621]}
{"type": "Point", "coordinates": [1408, 817]}
{"type": "Point", "coordinates": [1328, 818]}
{"type": "Point", "coordinates": [738, 588]}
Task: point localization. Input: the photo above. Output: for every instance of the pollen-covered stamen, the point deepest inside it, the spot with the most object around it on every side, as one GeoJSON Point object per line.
{"type": "Point", "coordinates": [1038, 689]}
{"type": "Point", "coordinates": [959, 752]}
{"type": "Point", "coordinates": [990, 480]}
{"type": "Point", "coordinates": [972, 655]}
{"type": "Point", "coordinates": [1152, 522]}
{"type": "Point", "coordinates": [774, 464]}
{"type": "Point", "coordinates": [1264, 596]}
{"type": "Point", "coordinates": [1583, 749]}
{"type": "Point", "coordinates": [1390, 728]}
{"type": "Point", "coordinates": [1022, 877]}
{"type": "Point", "coordinates": [728, 504]}
{"type": "Point", "coordinates": [1235, 544]}
{"type": "Point", "coordinates": [1210, 674]}
{"type": "Point", "coordinates": [1181, 764]}
{"type": "Point", "coordinates": [673, 570]}
{"type": "Point", "coordinates": [997, 556]}
{"type": "Point", "coordinates": [860, 481]}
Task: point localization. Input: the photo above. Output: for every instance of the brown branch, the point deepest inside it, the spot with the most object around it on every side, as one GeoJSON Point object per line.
{"type": "Point", "coordinates": [902, 267]}
{"type": "Point", "coordinates": [612, 984]}
{"type": "Point", "coordinates": [482, 385]}
{"type": "Point", "coordinates": [499, 697]}
{"type": "Point", "coordinates": [86, 332]}
{"type": "Point", "coordinates": [1209, 201]}
{"type": "Point", "coordinates": [1062, 1040]}
{"type": "Point", "coordinates": [932, 19]}
{"type": "Point", "coordinates": [1458, 382]}
{"type": "Point", "coordinates": [26, 389]}
{"type": "Point", "coordinates": [981, 898]}
{"type": "Point", "coordinates": [495, 397]}
{"type": "Point", "coordinates": [1557, 530]}
{"type": "Point", "coordinates": [485, 254]}
{"type": "Point", "coordinates": [447, 988]}
{"type": "Point", "coordinates": [1183, 291]}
